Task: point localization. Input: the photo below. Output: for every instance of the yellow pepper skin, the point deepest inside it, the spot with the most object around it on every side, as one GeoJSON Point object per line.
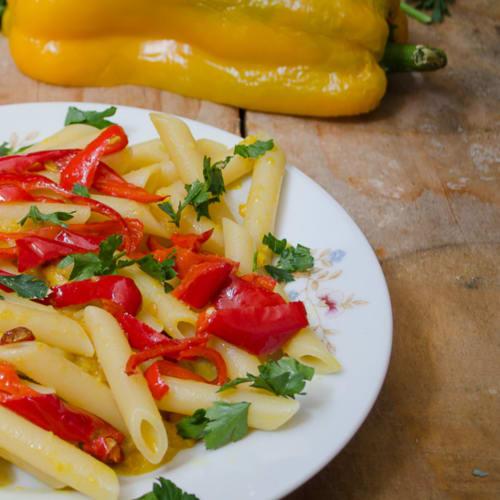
{"type": "Point", "coordinates": [304, 57]}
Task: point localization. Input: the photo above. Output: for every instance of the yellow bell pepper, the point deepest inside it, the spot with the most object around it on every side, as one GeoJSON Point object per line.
{"type": "Point", "coordinates": [305, 57]}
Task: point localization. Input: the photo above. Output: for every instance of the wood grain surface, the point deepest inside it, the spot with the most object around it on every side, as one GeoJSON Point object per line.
{"type": "Point", "coordinates": [420, 176]}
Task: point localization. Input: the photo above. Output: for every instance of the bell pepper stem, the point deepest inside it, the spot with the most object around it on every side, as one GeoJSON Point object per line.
{"type": "Point", "coordinates": [415, 13]}
{"type": "Point", "coordinates": [400, 58]}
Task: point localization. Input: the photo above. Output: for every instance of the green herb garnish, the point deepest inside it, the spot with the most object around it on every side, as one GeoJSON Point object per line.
{"type": "Point", "coordinates": [93, 118]}
{"type": "Point", "coordinates": [217, 425]}
{"type": "Point", "coordinates": [258, 148]}
{"type": "Point", "coordinates": [26, 286]}
{"type": "Point", "coordinates": [37, 217]}
{"type": "Point", "coordinates": [439, 10]}
{"type": "Point", "coordinates": [80, 190]}
{"type": "Point", "coordinates": [165, 489]}
{"type": "Point", "coordinates": [285, 377]}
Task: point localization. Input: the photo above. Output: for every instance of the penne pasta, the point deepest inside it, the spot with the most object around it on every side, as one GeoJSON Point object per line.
{"type": "Point", "coordinates": [210, 148]}
{"type": "Point", "coordinates": [137, 156]}
{"type": "Point", "coordinates": [61, 461]}
{"type": "Point", "coordinates": [266, 412]}
{"type": "Point", "coordinates": [181, 146]}
{"type": "Point", "coordinates": [74, 136]}
{"type": "Point", "coordinates": [48, 366]}
{"type": "Point", "coordinates": [46, 324]}
{"type": "Point", "coordinates": [238, 245]}
{"type": "Point", "coordinates": [154, 176]}
{"type": "Point", "coordinates": [172, 313]}
{"type": "Point", "coordinates": [131, 392]}
{"type": "Point", "coordinates": [238, 361]}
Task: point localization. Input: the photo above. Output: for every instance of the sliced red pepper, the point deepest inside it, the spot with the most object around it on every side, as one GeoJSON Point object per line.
{"type": "Point", "coordinates": [16, 335]}
{"type": "Point", "coordinates": [34, 251]}
{"type": "Point", "coordinates": [239, 293]}
{"type": "Point", "coordinates": [169, 349]}
{"type": "Point", "coordinates": [19, 164]}
{"type": "Point", "coordinates": [8, 253]}
{"type": "Point", "coordinates": [211, 354]}
{"type": "Point", "coordinates": [14, 193]}
{"type": "Point", "coordinates": [258, 330]}
{"type": "Point", "coordinates": [157, 385]}
{"type": "Point", "coordinates": [10, 384]}
{"type": "Point", "coordinates": [191, 241]}
{"type": "Point", "coordinates": [261, 281]}
{"type": "Point", "coordinates": [83, 166]}
{"type": "Point", "coordinates": [83, 242]}
{"type": "Point", "coordinates": [118, 289]}
{"type": "Point", "coordinates": [202, 282]}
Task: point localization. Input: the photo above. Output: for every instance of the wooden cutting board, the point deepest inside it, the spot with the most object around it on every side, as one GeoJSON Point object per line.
{"type": "Point", "coordinates": [420, 176]}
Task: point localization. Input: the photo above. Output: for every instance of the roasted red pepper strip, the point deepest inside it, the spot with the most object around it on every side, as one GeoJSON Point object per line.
{"type": "Point", "coordinates": [83, 166]}
{"type": "Point", "coordinates": [84, 243]}
{"type": "Point", "coordinates": [202, 282]}
{"type": "Point", "coordinates": [258, 330]}
{"type": "Point", "coordinates": [240, 292]}
{"type": "Point", "coordinates": [14, 193]}
{"type": "Point", "coordinates": [191, 241]}
{"type": "Point", "coordinates": [157, 385]}
{"type": "Point", "coordinates": [19, 164]}
{"type": "Point", "coordinates": [18, 334]}
{"type": "Point", "coordinates": [34, 251]}
{"type": "Point", "coordinates": [10, 384]}
{"type": "Point", "coordinates": [169, 349]}
{"type": "Point", "coordinates": [211, 354]}
{"type": "Point", "coordinates": [107, 181]}
{"type": "Point", "coordinates": [118, 289]}
{"type": "Point", "coordinates": [8, 253]}
{"type": "Point", "coordinates": [261, 281]}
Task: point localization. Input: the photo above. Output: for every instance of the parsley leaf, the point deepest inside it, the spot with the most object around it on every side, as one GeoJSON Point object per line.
{"type": "Point", "coordinates": [258, 148]}
{"type": "Point", "coordinates": [5, 149]}
{"type": "Point", "coordinates": [55, 217]}
{"type": "Point", "coordinates": [217, 425]}
{"type": "Point", "coordinates": [93, 118]}
{"type": "Point", "coordinates": [285, 377]}
{"type": "Point", "coordinates": [80, 190]}
{"type": "Point", "coordinates": [291, 259]}
{"type": "Point", "coordinates": [165, 489]}
{"type": "Point", "coordinates": [162, 271]}
{"type": "Point", "coordinates": [439, 9]}
{"type": "Point", "coordinates": [26, 286]}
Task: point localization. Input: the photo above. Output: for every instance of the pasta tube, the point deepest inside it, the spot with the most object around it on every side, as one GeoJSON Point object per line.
{"type": "Point", "coordinates": [46, 324]}
{"type": "Point", "coordinates": [131, 393]}
{"type": "Point", "coordinates": [74, 136]}
{"type": "Point", "coordinates": [238, 245]}
{"type": "Point", "coordinates": [266, 412]}
{"type": "Point", "coordinates": [238, 361]}
{"type": "Point", "coordinates": [56, 458]}
{"type": "Point", "coordinates": [49, 367]}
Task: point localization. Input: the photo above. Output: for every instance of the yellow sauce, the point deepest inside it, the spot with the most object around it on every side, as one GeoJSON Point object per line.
{"type": "Point", "coordinates": [135, 464]}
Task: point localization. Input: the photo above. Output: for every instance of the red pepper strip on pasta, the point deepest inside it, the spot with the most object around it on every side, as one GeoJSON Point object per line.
{"type": "Point", "coordinates": [18, 334]}
{"type": "Point", "coordinates": [34, 251]}
{"type": "Point", "coordinates": [19, 164]}
{"type": "Point", "coordinates": [14, 193]}
{"type": "Point", "coordinates": [202, 282]}
{"type": "Point", "coordinates": [87, 243]}
{"type": "Point", "coordinates": [169, 349]}
{"type": "Point", "coordinates": [261, 281]}
{"type": "Point", "coordinates": [69, 423]}
{"type": "Point", "coordinates": [31, 182]}
{"type": "Point", "coordinates": [240, 292]}
{"type": "Point", "coordinates": [210, 354]}
{"type": "Point", "coordinates": [191, 241]}
{"type": "Point", "coordinates": [257, 329]}
{"type": "Point", "coordinates": [118, 289]}
{"type": "Point", "coordinates": [83, 166]}
{"type": "Point", "coordinates": [8, 253]}
{"type": "Point", "coordinates": [157, 385]}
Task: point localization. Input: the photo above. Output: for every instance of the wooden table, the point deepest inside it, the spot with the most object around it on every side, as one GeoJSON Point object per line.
{"type": "Point", "coordinates": [420, 176]}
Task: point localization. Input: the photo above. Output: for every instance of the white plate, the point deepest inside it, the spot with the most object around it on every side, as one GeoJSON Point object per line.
{"type": "Point", "coordinates": [268, 465]}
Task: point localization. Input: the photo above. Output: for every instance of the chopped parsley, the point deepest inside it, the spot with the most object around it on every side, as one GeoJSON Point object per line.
{"type": "Point", "coordinates": [26, 286]}
{"type": "Point", "coordinates": [37, 217]}
{"type": "Point", "coordinates": [165, 489]}
{"type": "Point", "coordinates": [217, 425]}
{"type": "Point", "coordinates": [292, 259]}
{"type": "Point", "coordinates": [200, 195]}
{"type": "Point", "coordinates": [285, 377]}
{"type": "Point", "coordinates": [439, 10]}
{"type": "Point", "coordinates": [96, 119]}
{"type": "Point", "coordinates": [5, 148]}
{"type": "Point", "coordinates": [80, 190]}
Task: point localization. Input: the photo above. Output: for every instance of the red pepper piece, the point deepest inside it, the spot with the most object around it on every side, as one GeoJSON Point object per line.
{"type": "Point", "coordinates": [211, 354]}
{"type": "Point", "coordinates": [191, 241]}
{"type": "Point", "coordinates": [8, 253]}
{"type": "Point", "coordinates": [19, 164]}
{"type": "Point", "coordinates": [84, 243]}
{"type": "Point", "coordinates": [10, 384]}
{"type": "Point", "coordinates": [202, 282]}
{"type": "Point", "coordinates": [14, 193]}
{"type": "Point", "coordinates": [70, 423]}
{"type": "Point", "coordinates": [118, 289]}
{"type": "Point", "coordinates": [34, 251]}
{"type": "Point", "coordinates": [157, 385]}
{"type": "Point", "coordinates": [258, 330]}
{"type": "Point", "coordinates": [239, 293]}
{"type": "Point", "coordinates": [109, 182]}
{"type": "Point", "coordinates": [18, 334]}
{"type": "Point", "coordinates": [82, 168]}
{"type": "Point", "coordinates": [169, 349]}
{"type": "Point", "coordinates": [261, 281]}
